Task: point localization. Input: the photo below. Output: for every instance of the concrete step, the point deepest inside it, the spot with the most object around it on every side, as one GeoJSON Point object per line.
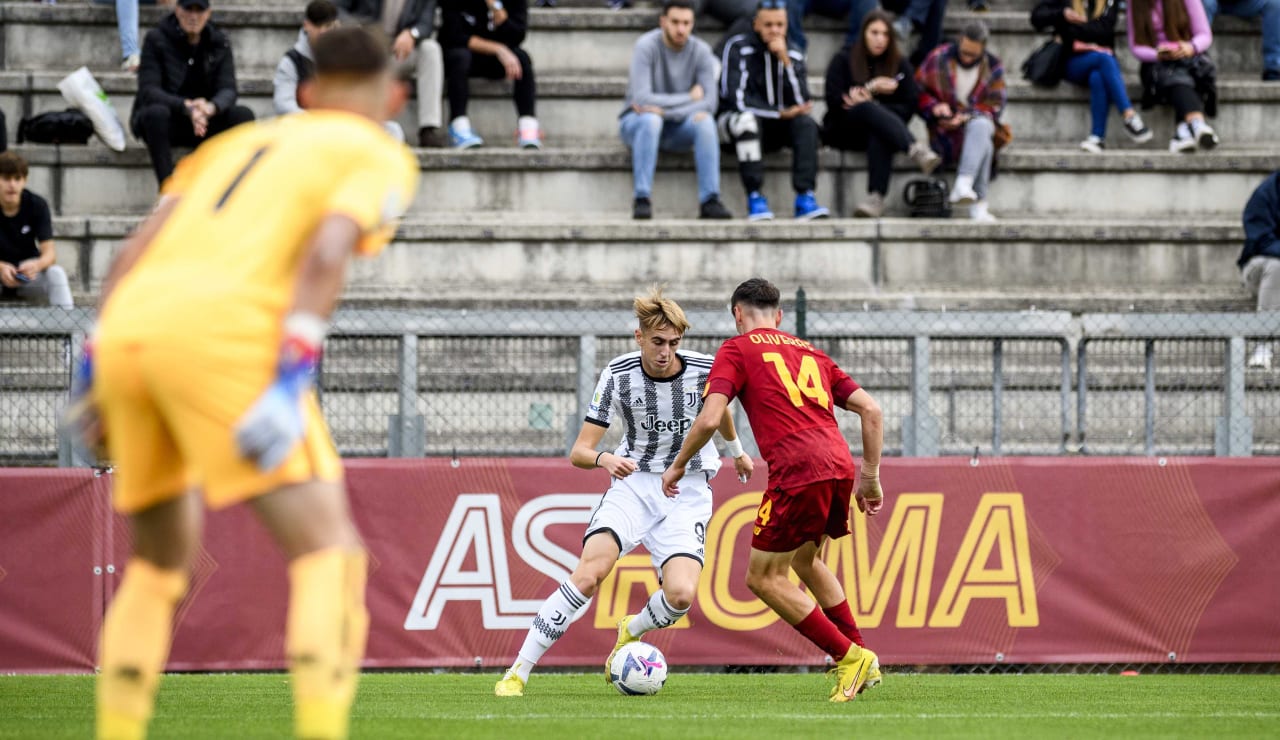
{"type": "Point", "coordinates": [1032, 183]}
{"type": "Point", "coordinates": [488, 259]}
{"type": "Point", "coordinates": [43, 37]}
{"type": "Point", "coordinates": [583, 110]}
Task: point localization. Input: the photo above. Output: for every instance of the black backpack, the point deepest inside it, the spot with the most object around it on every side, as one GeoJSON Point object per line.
{"type": "Point", "coordinates": [927, 198]}
{"type": "Point", "coordinates": [62, 127]}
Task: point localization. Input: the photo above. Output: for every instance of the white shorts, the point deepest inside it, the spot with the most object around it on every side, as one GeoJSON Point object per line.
{"type": "Point", "coordinates": [635, 511]}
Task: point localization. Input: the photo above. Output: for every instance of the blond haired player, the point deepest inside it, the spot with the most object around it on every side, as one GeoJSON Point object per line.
{"type": "Point", "coordinates": [656, 393]}
{"type": "Point", "coordinates": [200, 374]}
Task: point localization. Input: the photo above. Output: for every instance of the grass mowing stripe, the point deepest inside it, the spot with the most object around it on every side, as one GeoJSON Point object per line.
{"type": "Point", "coordinates": [692, 705]}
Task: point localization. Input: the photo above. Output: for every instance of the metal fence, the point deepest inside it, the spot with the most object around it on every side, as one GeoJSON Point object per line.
{"type": "Point", "coordinates": [408, 383]}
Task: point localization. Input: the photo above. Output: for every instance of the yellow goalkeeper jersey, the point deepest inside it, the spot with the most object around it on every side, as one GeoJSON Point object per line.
{"type": "Point", "coordinates": [225, 264]}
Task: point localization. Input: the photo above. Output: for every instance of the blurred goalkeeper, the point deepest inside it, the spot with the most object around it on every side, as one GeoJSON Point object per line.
{"type": "Point", "coordinates": [790, 391]}
{"type": "Point", "coordinates": [200, 374]}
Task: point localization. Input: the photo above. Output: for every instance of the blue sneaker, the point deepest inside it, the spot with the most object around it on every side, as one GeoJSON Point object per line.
{"type": "Point", "coordinates": [807, 207]}
{"type": "Point", "coordinates": [758, 207]}
{"type": "Point", "coordinates": [461, 136]}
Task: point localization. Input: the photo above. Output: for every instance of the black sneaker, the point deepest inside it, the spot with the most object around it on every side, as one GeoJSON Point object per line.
{"type": "Point", "coordinates": [433, 137]}
{"type": "Point", "coordinates": [1271, 75]}
{"type": "Point", "coordinates": [642, 209]}
{"type": "Point", "coordinates": [713, 208]}
{"type": "Point", "coordinates": [979, 6]}
{"type": "Point", "coordinates": [1136, 129]}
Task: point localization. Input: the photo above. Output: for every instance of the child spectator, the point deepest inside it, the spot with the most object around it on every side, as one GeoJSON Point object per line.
{"type": "Point", "coordinates": [481, 38]}
{"type": "Point", "coordinates": [27, 255]}
{"type": "Point", "coordinates": [1088, 39]}
{"type": "Point", "coordinates": [871, 95]}
{"type": "Point", "coordinates": [1170, 38]}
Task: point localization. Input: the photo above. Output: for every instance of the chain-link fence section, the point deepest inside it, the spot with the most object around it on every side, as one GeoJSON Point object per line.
{"type": "Point", "coordinates": [453, 382]}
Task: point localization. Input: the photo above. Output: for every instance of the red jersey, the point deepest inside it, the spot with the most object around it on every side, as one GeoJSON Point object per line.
{"type": "Point", "coordinates": [789, 390]}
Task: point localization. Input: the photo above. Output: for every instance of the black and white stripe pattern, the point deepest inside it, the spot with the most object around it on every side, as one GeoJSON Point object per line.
{"type": "Point", "coordinates": [656, 413]}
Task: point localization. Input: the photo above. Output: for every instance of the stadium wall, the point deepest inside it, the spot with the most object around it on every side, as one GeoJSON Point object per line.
{"type": "Point", "coordinates": [1029, 560]}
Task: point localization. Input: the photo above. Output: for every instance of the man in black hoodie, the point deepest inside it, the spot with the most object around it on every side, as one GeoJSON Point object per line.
{"type": "Point", "coordinates": [765, 105]}
{"type": "Point", "coordinates": [186, 85]}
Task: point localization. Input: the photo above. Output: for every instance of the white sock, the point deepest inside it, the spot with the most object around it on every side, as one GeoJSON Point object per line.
{"type": "Point", "coordinates": [461, 124]}
{"type": "Point", "coordinates": [526, 123]}
{"type": "Point", "coordinates": [964, 183]}
{"type": "Point", "coordinates": [655, 615]}
{"type": "Point", "coordinates": [549, 625]}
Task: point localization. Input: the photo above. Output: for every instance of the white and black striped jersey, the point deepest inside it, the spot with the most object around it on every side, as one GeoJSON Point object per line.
{"type": "Point", "coordinates": [656, 413]}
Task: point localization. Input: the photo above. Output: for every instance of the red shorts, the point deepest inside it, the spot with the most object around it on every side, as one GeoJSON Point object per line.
{"type": "Point", "coordinates": [788, 519]}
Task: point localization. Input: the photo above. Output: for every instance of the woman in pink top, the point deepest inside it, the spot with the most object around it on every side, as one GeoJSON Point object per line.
{"type": "Point", "coordinates": [1170, 38]}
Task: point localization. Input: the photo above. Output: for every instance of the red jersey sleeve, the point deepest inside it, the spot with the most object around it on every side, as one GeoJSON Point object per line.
{"type": "Point", "coordinates": [727, 373]}
{"type": "Point", "coordinates": [842, 386]}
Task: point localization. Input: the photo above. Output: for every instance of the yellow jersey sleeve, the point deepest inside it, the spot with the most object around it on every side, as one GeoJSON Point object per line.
{"type": "Point", "coordinates": [376, 195]}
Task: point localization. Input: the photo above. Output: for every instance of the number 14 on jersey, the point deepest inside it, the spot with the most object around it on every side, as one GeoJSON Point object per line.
{"type": "Point", "coordinates": [806, 383]}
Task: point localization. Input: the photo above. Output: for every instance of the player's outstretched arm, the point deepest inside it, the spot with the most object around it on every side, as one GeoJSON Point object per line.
{"type": "Point", "coordinates": [584, 454]}
{"type": "Point", "coordinates": [870, 497]}
{"type": "Point", "coordinates": [741, 460]}
{"type": "Point", "coordinates": [268, 432]}
{"type": "Point", "coordinates": [708, 421]}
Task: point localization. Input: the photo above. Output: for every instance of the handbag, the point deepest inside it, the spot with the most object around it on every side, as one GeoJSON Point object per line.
{"type": "Point", "coordinates": [1003, 135]}
{"type": "Point", "coordinates": [62, 127]}
{"type": "Point", "coordinates": [927, 198]}
{"type": "Point", "coordinates": [1043, 66]}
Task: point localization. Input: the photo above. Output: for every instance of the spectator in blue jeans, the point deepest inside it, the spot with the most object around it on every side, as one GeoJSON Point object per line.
{"type": "Point", "coordinates": [854, 10]}
{"type": "Point", "coordinates": [918, 16]}
{"type": "Point", "coordinates": [1089, 41]}
{"type": "Point", "coordinates": [127, 23]}
{"type": "Point", "coordinates": [671, 105]}
{"type": "Point", "coordinates": [1269, 10]}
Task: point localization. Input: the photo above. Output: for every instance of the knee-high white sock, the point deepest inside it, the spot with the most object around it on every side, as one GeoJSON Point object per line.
{"type": "Point", "coordinates": [658, 613]}
{"type": "Point", "coordinates": [549, 625]}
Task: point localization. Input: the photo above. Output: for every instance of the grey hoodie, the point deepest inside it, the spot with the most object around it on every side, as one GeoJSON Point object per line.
{"type": "Point", "coordinates": [285, 83]}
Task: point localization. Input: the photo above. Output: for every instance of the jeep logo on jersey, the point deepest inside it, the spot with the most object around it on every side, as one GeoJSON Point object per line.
{"type": "Point", "coordinates": [652, 423]}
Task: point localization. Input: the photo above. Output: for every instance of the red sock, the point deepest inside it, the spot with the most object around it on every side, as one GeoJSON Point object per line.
{"type": "Point", "coordinates": [842, 617]}
{"type": "Point", "coordinates": [821, 632]}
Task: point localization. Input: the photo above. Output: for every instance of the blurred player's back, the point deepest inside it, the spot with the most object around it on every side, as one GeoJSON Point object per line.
{"type": "Point", "coordinates": [227, 258]}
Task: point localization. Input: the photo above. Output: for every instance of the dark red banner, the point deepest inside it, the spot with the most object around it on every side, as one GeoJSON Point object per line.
{"type": "Point", "coordinates": [1016, 560]}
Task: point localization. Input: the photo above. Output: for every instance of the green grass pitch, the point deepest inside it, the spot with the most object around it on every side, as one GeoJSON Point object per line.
{"type": "Point", "coordinates": [692, 705]}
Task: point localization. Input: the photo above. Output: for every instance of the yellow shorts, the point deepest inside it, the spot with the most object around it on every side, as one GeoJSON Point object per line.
{"type": "Point", "coordinates": [170, 411]}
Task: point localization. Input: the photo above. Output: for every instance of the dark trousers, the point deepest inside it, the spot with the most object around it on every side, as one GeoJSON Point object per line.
{"type": "Point", "coordinates": [1184, 100]}
{"type": "Point", "coordinates": [4, 133]}
{"type": "Point", "coordinates": [800, 134]}
{"type": "Point", "coordinates": [460, 64]}
{"type": "Point", "coordinates": [161, 129]}
{"type": "Point", "coordinates": [927, 17]}
{"type": "Point", "coordinates": [878, 130]}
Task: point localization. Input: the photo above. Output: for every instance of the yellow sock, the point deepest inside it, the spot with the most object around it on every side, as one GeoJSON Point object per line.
{"type": "Point", "coordinates": [135, 644]}
{"type": "Point", "coordinates": [325, 638]}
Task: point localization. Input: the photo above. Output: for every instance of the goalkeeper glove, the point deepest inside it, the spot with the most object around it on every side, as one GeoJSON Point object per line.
{"type": "Point", "coordinates": [81, 419]}
{"type": "Point", "coordinates": [267, 433]}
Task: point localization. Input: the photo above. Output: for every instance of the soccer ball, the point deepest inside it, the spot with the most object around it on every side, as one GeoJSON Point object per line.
{"type": "Point", "coordinates": [639, 669]}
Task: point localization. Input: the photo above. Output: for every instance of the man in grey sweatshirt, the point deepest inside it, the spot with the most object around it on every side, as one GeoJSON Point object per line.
{"type": "Point", "coordinates": [671, 106]}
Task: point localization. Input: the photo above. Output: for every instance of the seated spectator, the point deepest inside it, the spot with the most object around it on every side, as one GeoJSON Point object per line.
{"type": "Point", "coordinates": [186, 85]}
{"type": "Point", "coordinates": [1089, 46]}
{"type": "Point", "coordinates": [297, 66]}
{"type": "Point", "coordinates": [1170, 38]}
{"type": "Point", "coordinates": [481, 38]}
{"type": "Point", "coordinates": [797, 10]}
{"type": "Point", "coordinates": [1260, 259]}
{"type": "Point", "coordinates": [671, 106]}
{"type": "Point", "coordinates": [871, 95]}
{"type": "Point", "coordinates": [962, 95]}
{"type": "Point", "coordinates": [922, 17]}
{"type": "Point", "coordinates": [127, 25]}
{"type": "Point", "coordinates": [1269, 10]}
{"type": "Point", "coordinates": [410, 24]}
{"type": "Point", "coordinates": [726, 11]}
{"type": "Point", "coordinates": [27, 256]}
{"type": "Point", "coordinates": [764, 106]}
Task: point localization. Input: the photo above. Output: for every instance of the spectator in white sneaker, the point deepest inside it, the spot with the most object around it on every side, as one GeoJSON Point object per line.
{"type": "Point", "coordinates": [27, 268]}
{"type": "Point", "coordinates": [1260, 259]}
{"type": "Point", "coordinates": [962, 95]}
{"type": "Point", "coordinates": [482, 38]}
{"type": "Point", "coordinates": [1088, 34]}
{"type": "Point", "coordinates": [871, 95]}
{"type": "Point", "coordinates": [1170, 38]}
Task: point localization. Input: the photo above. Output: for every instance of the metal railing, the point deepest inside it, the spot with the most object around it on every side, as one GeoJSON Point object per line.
{"type": "Point", "coordinates": [407, 383]}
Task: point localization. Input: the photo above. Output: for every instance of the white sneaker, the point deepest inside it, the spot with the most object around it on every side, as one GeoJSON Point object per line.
{"type": "Point", "coordinates": [1182, 141]}
{"type": "Point", "coordinates": [528, 133]}
{"type": "Point", "coordinates": [1093, 144]}
{"type": "Point", "coordinates": [963, 194]}
{"type": "Point", "coordinates": [1136, 129]}
{"type": "Point", "coordinates": [1204, 134]}
{"type": "Point", "coordinates": [1261, 357]}
{"type": "Point", "coordinates": [978, 212]}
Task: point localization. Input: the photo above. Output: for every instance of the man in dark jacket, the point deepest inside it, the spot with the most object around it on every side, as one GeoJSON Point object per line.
{"type": "Point", "coordinates": [1260, 259]}
{"type": "Point", "coordinates": [186, 85]}
{"type": "Point", "coordinates": [764, 106]}
{"type": "Point", "coordinates": [481, 38]}
{"type": "Point", "coordinates": [410, 24]}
